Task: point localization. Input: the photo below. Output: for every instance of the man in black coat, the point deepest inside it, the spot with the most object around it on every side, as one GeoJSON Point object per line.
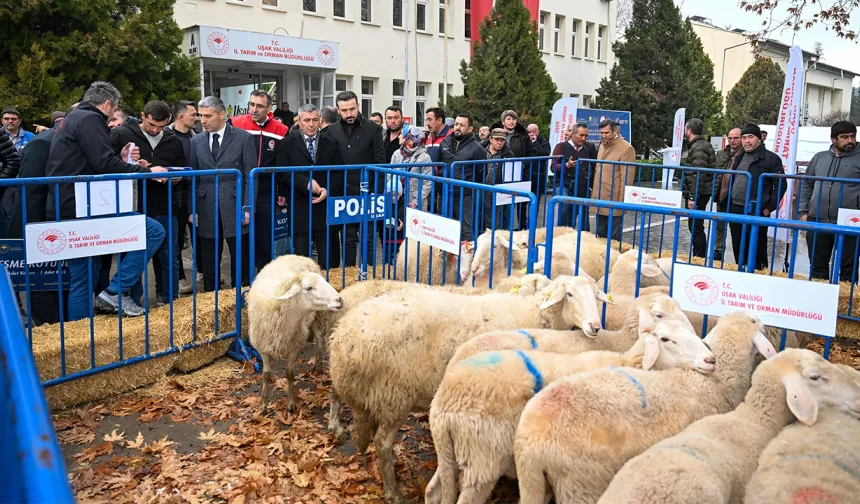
{"type": "Point", "coordinates": [566, 172]}
{"type": "Point", "coordinates": [360, 143]}
{"type": "Point", "coordinates": [461, 145]}
{"type": "Point", "coordinates": [10, 163]}
{"type": "Point", "coordinates": [307, 194]}
{"type": "Point", "coordinates": [757, 161]}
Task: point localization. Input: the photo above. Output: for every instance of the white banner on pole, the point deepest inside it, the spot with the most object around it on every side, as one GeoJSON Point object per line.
{"type": "Point", "coordinates": [674, 155]}
{"type": "Point", "coordinates": [563, 115]}
{"type": "Point", "coordinates": [785, 143]}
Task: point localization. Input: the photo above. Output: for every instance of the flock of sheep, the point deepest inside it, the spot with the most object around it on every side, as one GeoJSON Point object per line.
{"type": "Point", "coordinates": [526, 381]}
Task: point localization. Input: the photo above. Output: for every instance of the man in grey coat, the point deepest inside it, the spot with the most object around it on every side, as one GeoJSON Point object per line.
{"type": "Point", "coordinates": [820, 201]}
{"type": "Point", "coordinates": [220, 147]}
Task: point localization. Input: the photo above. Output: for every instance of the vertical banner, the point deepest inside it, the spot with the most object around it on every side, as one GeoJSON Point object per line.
{"type": "Point", "coordinates": [672, 156]}
{"type": "Point", "coordinates": [787, 128]}
{"type": "Point", "coordinates": [563, 114]}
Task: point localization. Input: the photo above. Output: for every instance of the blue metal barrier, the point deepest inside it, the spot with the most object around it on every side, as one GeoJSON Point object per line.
{"type": "Point", "coordinates": [744, 223]}
{"type": "Point", "coordinates": [33, 467]}
{"type": "Point", "coordinates": [183, 177]}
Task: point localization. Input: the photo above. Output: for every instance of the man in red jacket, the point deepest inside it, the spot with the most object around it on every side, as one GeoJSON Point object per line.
{"type": "Point", "coordinates": [268, 134]}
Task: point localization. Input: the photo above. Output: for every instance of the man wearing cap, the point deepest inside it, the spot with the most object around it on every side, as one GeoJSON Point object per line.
{"type": "Point", "coordinates": [756, 161]}
{"type": "Point", "coordinates": [497, 148]}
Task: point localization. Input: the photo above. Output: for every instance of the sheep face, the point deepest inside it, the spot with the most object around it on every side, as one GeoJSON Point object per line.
{"type": "Point", "coordinates": [486, 242]}
{"type": "Point", "coordinates": [311, 292]}
{"type": "Point", "coordinates": [811, 382]}
{"type": "Point", "coordinates": [661, 307]}
{"type": "Point", "coordinates": [580, 296]}
{"type": "Point", "coordinates": [750, 326]}
{"type": "Point", "coordinates": [673, 344]}
{"type": "Point", "coordinates": [467, 251]}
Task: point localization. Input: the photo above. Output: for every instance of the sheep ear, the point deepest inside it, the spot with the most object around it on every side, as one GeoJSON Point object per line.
{"type": "Point", "coordinates": [652, 351]}
{"type": "Point", "coordinates": [295, 289]}
{"type": "Point", "coordinates": [554, 297]}
{"type": "Point", "coordinates": [602, 296]}
{"type": "Point", "coordinates": [799, 398]}
{"type": "Point", "coordinates": [650, 270]}
{"type": "Point", "coordinates": [645, 319]}
{"type": "Point", "coordinates": [764, 346]}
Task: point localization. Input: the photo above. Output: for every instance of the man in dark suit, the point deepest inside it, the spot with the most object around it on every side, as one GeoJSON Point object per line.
{"type": "Point", "coordinates": [221, 147]}
{"type": "Point", "coordinates": [306, 191]}
{"type": "Point", "coordinates": [575, 147]}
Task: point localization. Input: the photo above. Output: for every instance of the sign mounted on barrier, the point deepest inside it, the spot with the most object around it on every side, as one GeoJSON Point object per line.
{"type": "Point", "coordinates": [433, 230]}
{"type": "Point", "coordinates": [653, 197]}
{"type": "Point", "coordinates": [54, 241]}
{"type": "Point", "coordinates": [350, 209]}
{"type": "Point", "coordinates": [513, 171]}
{"type": "Point", "coordinates": [505, 199]}
{"type": "Point", "coordinates": [43, 276]}
{"type": "Point", "coordinates": [282, 229]}
{"type": "Point", "coordinates": [848, 217]}
{"type": "Point", "coordinates": [103, 197]}
{"type": "Point", "coordinates": [780, 302]}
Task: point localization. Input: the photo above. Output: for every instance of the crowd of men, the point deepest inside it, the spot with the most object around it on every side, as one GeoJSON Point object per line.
{"type": "Point", "coordinates": [96, 136]}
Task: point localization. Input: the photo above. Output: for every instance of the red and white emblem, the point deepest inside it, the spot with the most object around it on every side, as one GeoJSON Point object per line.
{"type": "Point", "coordinates": [702, 290]}
{"type": "Point", "coordinates": [218, 43]}
{"type": "Point", "coordinates": [51, 242]}
{"type": "Point", "coordinates": [325, 54]}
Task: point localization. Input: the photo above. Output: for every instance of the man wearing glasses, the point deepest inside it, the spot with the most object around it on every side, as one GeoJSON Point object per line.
{"type": "Point", "coordinates": [268, 134]}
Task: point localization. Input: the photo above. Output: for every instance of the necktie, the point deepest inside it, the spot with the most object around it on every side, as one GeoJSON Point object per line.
{"type": "Point", "coordinates": [311, 148]}
{"type": "Point", "coordinates": [215, 145]}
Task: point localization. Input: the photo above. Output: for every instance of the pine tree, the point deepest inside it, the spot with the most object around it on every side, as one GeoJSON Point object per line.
{"type": "Point", "coordinates": [506, 70]}
{"type": "Point", "coordinates": [756, 97]}
{"type": "Point", "coordinates": [660, 68]}
{"type": "Point", "coordinates": [53, 49]}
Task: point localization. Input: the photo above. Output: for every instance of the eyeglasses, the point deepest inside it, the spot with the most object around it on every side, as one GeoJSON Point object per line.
{"type": "Point", "coordinates": [253, 105]}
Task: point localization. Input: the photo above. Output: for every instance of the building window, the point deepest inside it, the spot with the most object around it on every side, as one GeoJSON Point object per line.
{"type": "Point", "coordinates": [599, 42]}
{"type": "Point", "coordinates": [587, 39]}
{"type": "Point", "coordinates": [586, 100]}
{"type": "Point", "coordinates": [467, 30]}
{"type": "Point", "coordinates": [573, 25]}
{"type": "Point", "coordinates": [365, 11]}
{"type": "Point", "coordinates": [397, 14]}
{"type": "Point", "coordinates": [311, 91]}
{"type": "Point", "coordinates": [340, 84]}
{"type": "Point", "coordinates": [366, 97]}
{"type": "Point", "coordinates": [420, 103]}
{"type": "Point", "coordinates": [339, 8]}
{"type": "Point", "coordinates": [442, 28]}
{"type": "Point", "coordinates": [556, 34]}
{"type": "Point", "coordinates": [421, 16]}
{"type": "Point", "coordinates": [270, 3]}
{"type": "Point", "coordinates": [309, 5]}
{"type": "Point", "coordinates": [542, 30]}
{"type": "Point", "coordinates": [397, 89]}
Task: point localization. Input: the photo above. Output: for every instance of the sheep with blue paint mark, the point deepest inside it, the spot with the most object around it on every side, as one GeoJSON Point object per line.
{"type": "Point", "coordinates": [712, 459]}
{"type": "Point", "coordinates": [817, 463]}
{"type": "Point", "coordinates": [654, 300]}
{"type": "Point", "coordinates": [388, 355]}
{"type": "Point", "coordinates": [474, 414]}
{"type": "Point", "coordinates": [576, 433]}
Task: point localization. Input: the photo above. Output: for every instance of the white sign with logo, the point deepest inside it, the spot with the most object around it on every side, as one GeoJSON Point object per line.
{"type": "Point", "coordinates": [55, 241]}
{"type": "Point", "coordinates": [265, 48]}
{"type": "Point", "coordinates": [102, 197]}
{"type": "Point", "coordinates": [654, 197]}
{"type": "Point", "coordinates": [505, 199]}
{"type": "Point", "coordinates": [780, 302]}
{"type": "Point", "coordinates": [848, 217]}
{"type": "Point", "coordinates": [433, 230]}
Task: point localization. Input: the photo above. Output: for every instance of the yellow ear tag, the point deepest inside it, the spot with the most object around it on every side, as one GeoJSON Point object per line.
{"type": "Point", "coordinates": [523, 271]}
{"type": "Point", "coordinates": [547, 295]}
{"type": "Point", "coordinates": [515, 290]}
{"type": "Point", "coordinates": [611, 300]}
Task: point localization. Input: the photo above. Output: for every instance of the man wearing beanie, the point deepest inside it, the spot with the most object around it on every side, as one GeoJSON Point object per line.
{"type": "Point", "coordinates": [756, 160]}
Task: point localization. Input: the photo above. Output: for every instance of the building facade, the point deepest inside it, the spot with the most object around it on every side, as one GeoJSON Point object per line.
{"type": "Point", "coordinates": [386, 51]}
{"type": "Point", "coordinates": [826, 90]}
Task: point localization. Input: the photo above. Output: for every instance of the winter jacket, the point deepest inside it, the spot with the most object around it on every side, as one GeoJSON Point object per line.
{"type": "Point", "coordinates": [466, 149]}
{"type": "Point", "coordinates": [185, 138]}
{"type": "Point", "coordinates": [267, 139]}
{"type": "Point", "coordinates": [610, 179]}
{"type": "Point", "coordinates": [820, 200]}
{"type": "Point", "coordinates": [81, 146]}
{"type": "Point", "coordinates": [391, 146]}
{"type": "Point", "coordinates": [765, 162]}
{"type": "Point", "coordinates": [168, 153]}
{"type": "Point", "coordinates": [568, 176]}
{"type": "Point", "coordinates": [725, 161]}
{"type": "Point", "coordinates": [700, 155]}
{"type": "Point", "coordinates": [434, 143]}
{"type": "Point", "coordinates": [359, 144]}
{"type": "Point", "coordinates": [10, 160]}
{"type": "Point", "coordinates": [494, 173]}
{"type": "Point", "coordinates": [419, 156]}
{"type": "Point", "coordinates": [34, 157]}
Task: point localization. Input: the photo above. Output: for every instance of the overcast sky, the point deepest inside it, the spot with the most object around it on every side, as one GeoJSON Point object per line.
{"type": "Point", "coordinates": [838, 52]}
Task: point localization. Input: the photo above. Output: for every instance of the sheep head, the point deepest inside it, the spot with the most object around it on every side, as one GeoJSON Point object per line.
{"type": "Point", "coordinates": [579, 295]}
{"type": "Point", "coordinates": [467, 251]}
{"type": "Point", "coordinates": [659, 307]}
{"type": "Point", "coordinates": [310, 291]}
{"type": "Point", "coordinates": [747, 329]}
{"type": "Point", "coordinates": [673, 344]}
{"type": "Point", "coordinates": [499, 242]}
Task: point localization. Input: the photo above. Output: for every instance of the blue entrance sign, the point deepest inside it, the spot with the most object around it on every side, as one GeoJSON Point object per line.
{"type": "Point", "coordinates": [349, 209]}
{"type": "Point", "coordinates": [43, 276]}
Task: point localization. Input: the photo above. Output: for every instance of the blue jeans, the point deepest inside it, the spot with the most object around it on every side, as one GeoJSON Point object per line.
{"type": "Point", "coordinates": [164, 258]}
{"type": "Point", "coordinates": [126, 280]}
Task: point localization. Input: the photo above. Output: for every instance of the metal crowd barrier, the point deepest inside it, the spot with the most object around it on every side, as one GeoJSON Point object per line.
{"type": "Point", "coordinates": [189, 178]}
{"type": "Point", "coordinates": [33, 467]}
{"type": "Point", "coordinates": [752, 228]}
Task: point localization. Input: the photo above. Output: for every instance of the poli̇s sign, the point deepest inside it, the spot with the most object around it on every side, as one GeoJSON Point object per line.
{"type": "Point", "coordinates": [43, 276]}
{"type": "Point", "coordinates": [350, 209]}
{"type": "Point", "coordinates": [592, 118]}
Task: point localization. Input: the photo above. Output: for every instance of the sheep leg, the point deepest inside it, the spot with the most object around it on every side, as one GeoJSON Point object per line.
{"type": "Point", "coordinates": [290, 375]}
{"type": "Point", "coordinates": [384, 443]}
{"type": "Point", "coordinates": [268, 380]}
{"type": "Point", "coordinates": [334, 425]}
{"type": "Point", "coordinates": [475, 493]}
{"type": "Point", "coordinates": [322, 350]}
{"type": "Point", "coordinates": [433, 492]}
{"type": "Point", "coordinates": [365, 428]}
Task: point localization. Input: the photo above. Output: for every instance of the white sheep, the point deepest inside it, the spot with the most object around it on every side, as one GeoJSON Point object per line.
{"type": "Point", "coordinates": [416, 263]}
{"type": "Point", "coordinates": [622, 278]}
{"type": "Point", "coordinates": [578, 432]}
{"type": "Point", "coordinates": [389, 354]}
{"type": "Point", "coordinates": [712, 459]}
{"type": "Point", "coordinates": [592, 253]}
{"type": "Point", "coordinates": [474, 414]}
{"type": "Point", "coordinates": [659, 304]}
{"type": "Point", "coordinates": [524, 285]}
{"type": "Point", "coordinates": [282, 304]}
{"type": "Point", "coordinates": [818, 463]}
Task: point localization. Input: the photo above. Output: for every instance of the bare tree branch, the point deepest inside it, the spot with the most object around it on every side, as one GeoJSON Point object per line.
{"type": "Point", "coordinates": [797, 15]}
